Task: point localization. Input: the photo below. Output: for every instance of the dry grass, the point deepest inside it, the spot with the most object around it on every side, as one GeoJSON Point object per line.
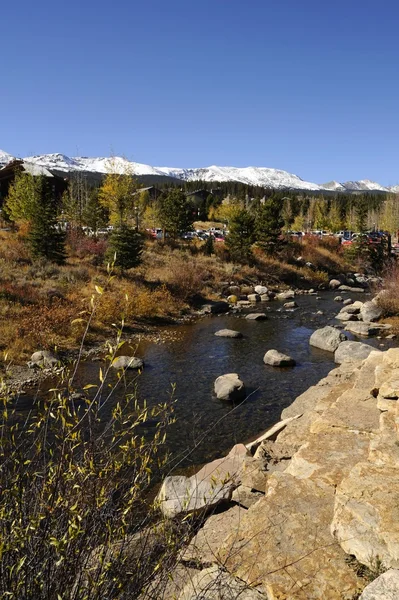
{"type": "Point", "coordinates": [40, 301]}
{"type": "Point", "coordinates": [389, 298]}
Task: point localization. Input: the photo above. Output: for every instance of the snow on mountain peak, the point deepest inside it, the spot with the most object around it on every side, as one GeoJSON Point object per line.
{"type": "Point", "coordinates": [5, 158]}
{"type": "Point", "coordinates": [364, 185]}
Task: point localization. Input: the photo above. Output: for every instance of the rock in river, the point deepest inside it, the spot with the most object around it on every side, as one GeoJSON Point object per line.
{"type": "Point", "coordinates": [278, 359]}
{"type": "Point", "coordinates": [228, 333]}
{"type": "Point", "coordinates": [256, 317]}
{"type": "Point", "coordinates": [328, 338]}
{"type": "Point", "coordinates": [127, 362]}
{"type": "Point", "coordinates": [229, 387]}
{"type": "Point", "coordinates": [352, 351]}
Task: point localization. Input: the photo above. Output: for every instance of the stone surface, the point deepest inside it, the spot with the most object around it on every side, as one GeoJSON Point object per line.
{"type": "Point", "coordinates": [371, 312]}
{"type": "Point", "coordinates": [229, 387]}
{"type": "Point", "coordinates": [253, 298]}
{"type": "Point", "coordinates": [366, 514]}
{"type": "Point", "coordinates": [245, 496]}
{"type": "Point", "coordinates": [346, 315]}
{"type": "Point", "coordinates": [261, 289]}
{"type": "Point", "coordinates": [215, 584]}
{"type": "Point", "coordinates": [347, 302]}
{"type": "Point", "coordinates": [232, 299]}
{"type": "Point", "coordinates": [353, 309]}
{"type": "Point", "coordinates": [338, 299]}
{"type": "Point", "coordinates": [204, 545]}
{"type": "Point", "coordinates": [285, 543]}
{"type": "Point", "coordinates": [127, 362]}
{"type": "Point", "coordinates": [216, 307]}
{"type": "Point", "coordinates": [256, 317]}
{"type": "Point", "coordinates": [289, 295]}
{"type": "Point", "coordinates": [334, 284]}
{"type": "Point", "coordinates": [385, 587]}
{"type": "Point", "coordinates": [43, 359]}
{"type": "Point", "coordinates": [328, 338]}
{"type": "Point", "coordinates": [228, 333]}
{"type": "Point", "coordinates": [278, 359]}
{"type": "Point", "coordinates": [355, 410]}
{"type": "Point", "coordinates": [290, 305]}
{"type": "Point", "coordinates": [364, 329]}
{"type": "Point", "coordinates": [352, 351]}
{"type": "Point", "coordinates": [348, 288]}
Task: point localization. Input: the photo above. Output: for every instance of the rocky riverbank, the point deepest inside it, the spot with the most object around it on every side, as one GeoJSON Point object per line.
{"type": "Point", "coordinates": [310, 509]}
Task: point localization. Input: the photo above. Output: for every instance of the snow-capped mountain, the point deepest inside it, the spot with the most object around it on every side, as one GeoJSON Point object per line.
{"type": "Point", "coordinates": [116, 164]}
{"type": "Point", "coordinates": [261, 176]}
{"type": "Point", "coordinates": [5, 158]}
{"type": "Point", "coordinates": [364, 185]}
{"type": "Point", "coordinates": [257, 176]}
{"type": "Point", "coordinates": [333, 186]}
{"type": "Point", "coordinates": [394, 189]}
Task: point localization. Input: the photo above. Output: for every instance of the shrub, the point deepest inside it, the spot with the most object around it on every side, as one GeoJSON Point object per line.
{"type": "Point", "coordinates": [74, 519]}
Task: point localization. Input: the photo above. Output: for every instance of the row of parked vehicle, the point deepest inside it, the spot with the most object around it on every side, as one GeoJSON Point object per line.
{"type": "Point", "coordinates": [199, 234]}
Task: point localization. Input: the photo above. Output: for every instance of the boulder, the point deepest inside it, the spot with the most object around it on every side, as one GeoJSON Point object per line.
{"type": "Point", "coordinates": [229, 387]}
{"type": "Point", "coordinates": [328, 338]}
{"type": "Point", "coordinates": [338, 299]}
{"type": "Point", "coordinates": [347, 301]}
{"type": "Point", "coordinates": [352, 351]}
{"type": "Point", "coordinates": [43, 359]}
{"type": "Point", "coordinates": [215, 308]}
{"type": "Point", "coordinates": [278, 359]}
{"type": "Point", "coordinates": [365, 329]}
{"type": "Point", "coordinates": [127, 362]}
{"type": "Point", "coordinates": [256, 317]}
{"type": "Point", "coordinates": [346, 315]}
{"type": "Point", "coordinates": [253, 297]}
{"type": "Point", "coordinates": [261, 289]}
{"type": "Point", "coordinates": [352, 309]}
{"type": "Point", "coordinates": [265, 298]}
{"type": "Point", "coordinates": [348, 288]}
{"type": "Point", "coordinates": [290, 305]}
{"type": "Point", "coordinates": [232, 299]}
{"type": "Point", "coordinates": [371, 312]}
{"type": "Point", "coordinates": [228, 333]}
{"type": "Point", "coordinates": [181, 495]}
{"type": "Point", "coordinates": [334, 284]}
{"type": "Point", "coordinates": [289, 295]}
{"type": "Point", "coordinates": [385, 587]}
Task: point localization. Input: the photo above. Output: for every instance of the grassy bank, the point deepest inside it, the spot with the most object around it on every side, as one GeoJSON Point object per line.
{"type": "Point", "coordinates": [43, 305]}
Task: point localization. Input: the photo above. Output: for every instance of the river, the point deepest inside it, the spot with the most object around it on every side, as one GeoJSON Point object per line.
{"type": "Point", "coordinates": [193, 357]}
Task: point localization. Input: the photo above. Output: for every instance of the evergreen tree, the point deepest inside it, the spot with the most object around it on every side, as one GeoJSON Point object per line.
{"type": "Point", "coordinates": [268, 225]}
{"type": "Point", "coordinates": [175, 214]}
{"type": "Point", "coordinates": [125, 247]}
{"type": "Point", "coordinates": [241, 236]}
{"type": "Point", "coordinates": [30, 203]}
{"type": "Point", "coordinates": [94, 214]}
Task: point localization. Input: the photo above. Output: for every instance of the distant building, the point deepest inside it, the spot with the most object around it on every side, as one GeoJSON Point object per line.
{"type": "Point", "coordinates": [9, 171]}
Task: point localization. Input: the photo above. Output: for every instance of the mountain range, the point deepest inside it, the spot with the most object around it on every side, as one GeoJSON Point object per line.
{"type": "Point", "coordinates": [256, 176]}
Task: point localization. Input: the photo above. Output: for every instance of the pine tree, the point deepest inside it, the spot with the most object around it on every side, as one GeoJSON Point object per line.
{"type": "Point", "coordinates": [125, 247]}
{"type": "Point", "coordinates": [268, 225]}
{"type": "Point", "coordinates": [241, 236]}
{"type": "Point", "coordinates": [30, 203]}
{"type": "Point", "coordinates": [175, 214]}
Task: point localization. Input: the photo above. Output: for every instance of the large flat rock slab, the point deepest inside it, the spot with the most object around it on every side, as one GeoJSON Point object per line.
{"type": "Point", "coordinates": [285, 543]}
{"type": "Point", "coordinates": [355, 410]}
{"type": "Point", "coordinates": [366, 514]}
{"type": "Point", "coordinates": [329, 456]}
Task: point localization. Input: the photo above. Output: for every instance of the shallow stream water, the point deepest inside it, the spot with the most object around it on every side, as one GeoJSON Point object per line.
{"type": "Point", "coordinates": [205, 427]}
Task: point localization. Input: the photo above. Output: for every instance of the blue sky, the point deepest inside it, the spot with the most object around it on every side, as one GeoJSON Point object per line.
{"type": "Point", "coordinates": [308, 86]}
